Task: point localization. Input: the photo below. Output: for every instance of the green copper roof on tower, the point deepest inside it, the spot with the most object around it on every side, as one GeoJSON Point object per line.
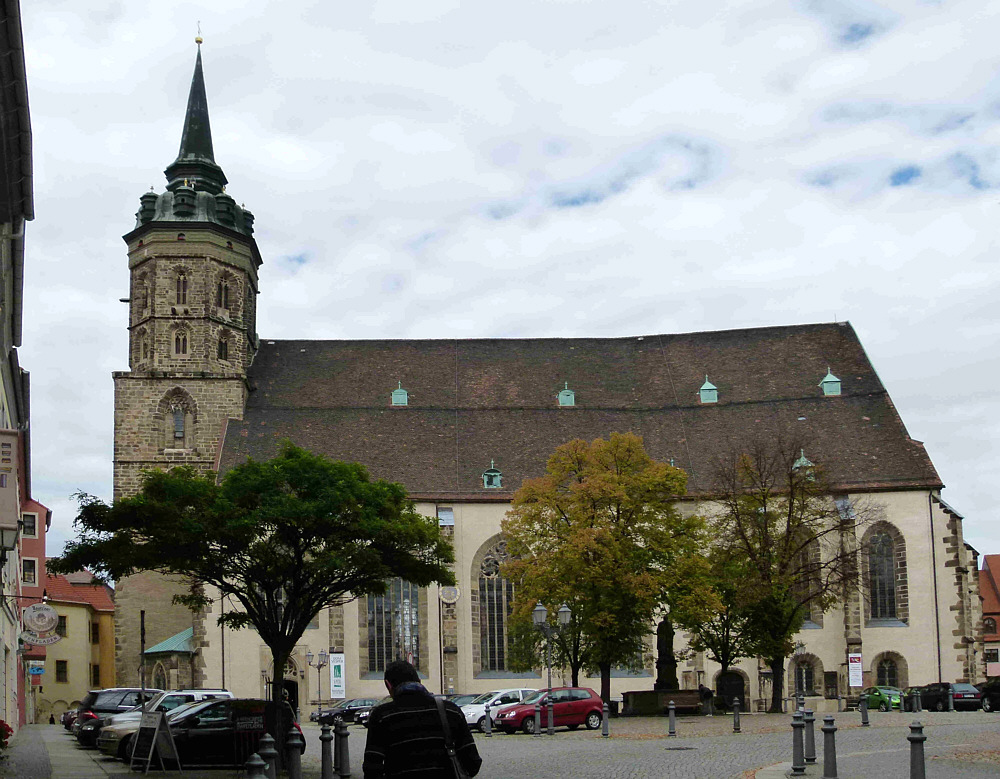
{"type": "Point", "coordinates": [196, 157]}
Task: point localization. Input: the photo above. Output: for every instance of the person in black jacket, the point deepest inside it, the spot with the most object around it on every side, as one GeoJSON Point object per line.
{"type": "Point", "coordinates": [405, 734]}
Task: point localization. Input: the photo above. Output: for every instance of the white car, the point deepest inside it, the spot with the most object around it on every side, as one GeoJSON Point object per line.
{"type": "Point", "coordinates": [475, 712]}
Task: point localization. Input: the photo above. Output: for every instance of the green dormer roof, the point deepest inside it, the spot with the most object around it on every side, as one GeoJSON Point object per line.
{"type": "Point", "coordinates": [708, 393]}
{"type": "Point", "coordinates": [182, 642]}
{"type": "Point", "coordinates": [830, 384]}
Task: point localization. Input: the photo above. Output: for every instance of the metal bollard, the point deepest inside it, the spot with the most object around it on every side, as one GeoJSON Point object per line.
{"type": "Point", "coordinates": [800, 702]}
{"type": "Point", "coordinates": [326, 752]}
{"type": "Point", "coordinates": [293, 753]}
{"type": "Point", "coordinates": [538, 721]}
{"type": "Point", "coordinates": [863, 708]}
{"type": "Point", "coordinates": [550, 725]}
{"type": "Point", "coordinates": [736, 715]}
{"type": "Point", "coordinates": [810, 746]}
{"type": "Point", "coordinates": [345, 749]}
{"type": "Point", "coordinates": [671, 719]}
{"type": "Point", "coordinates": [829, 748]}
{"type": "Point", "coordinates": [917, 739]}
{"type": "Point", "coordinates": [951, 698]}
{"type": "Point", "coordinates": [798, 762]}
{"type": "Point", "coordinates": [488, 723]}
{"type": "Point", "coordinates": [269, 755]}
{"type": "Point", "coordinates": [256, 768]}
{"type": "Point", "coordinates": [917, 703]}
{"type": "Point", "coordinates": [605, 725]}
{"type": "Point", "coordinates": [839, 701]}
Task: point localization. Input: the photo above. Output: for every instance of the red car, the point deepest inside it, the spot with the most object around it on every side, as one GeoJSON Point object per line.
{"type": "Point", "coordinates": [571, 707]}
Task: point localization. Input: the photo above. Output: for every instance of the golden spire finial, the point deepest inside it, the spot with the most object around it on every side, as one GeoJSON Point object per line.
{"type": "Point", "coordinates": [198, 39]}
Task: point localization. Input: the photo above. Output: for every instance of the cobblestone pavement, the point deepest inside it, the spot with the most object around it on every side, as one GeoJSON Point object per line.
{"type": "Point", "coordinates": [962, 745]}
{"type": "Point", "coordinates": [959, 746]}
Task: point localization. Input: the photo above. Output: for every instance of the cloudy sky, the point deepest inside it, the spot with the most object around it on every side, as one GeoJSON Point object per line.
{"type": "Point", "coordinates": [438, 168]}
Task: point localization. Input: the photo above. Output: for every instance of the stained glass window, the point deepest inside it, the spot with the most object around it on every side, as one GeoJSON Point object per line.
{"type": "Point", "coordinates": [393, 625]}
{"type": "Point", "coordinates": [496, 596]}
{"type": "Point", "coordinates": [880, 576]}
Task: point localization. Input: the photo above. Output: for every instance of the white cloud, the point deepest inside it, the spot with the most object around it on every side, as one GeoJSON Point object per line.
{"type": "Point", "coordinates": [445, 169]}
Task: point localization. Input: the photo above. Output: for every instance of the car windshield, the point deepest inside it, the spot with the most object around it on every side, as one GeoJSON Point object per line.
{"type": "Point", "coordinates": [965, 688]}
{"type": "Point", "coordinates": [535, 696]}
{"type": "Point", "coordinates": [486, 696]}
{"type": "Point", "coordinates": [342, 704]}
{"type": "Point", "coordinates": [891, 690]}
{"type": "Point", "coordinates": [461, 700]}
{"type": "Point", "coordinates": [181, 710]}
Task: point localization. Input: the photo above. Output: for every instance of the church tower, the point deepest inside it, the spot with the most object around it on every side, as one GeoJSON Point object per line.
{"type": "Point", "coordinates": [193, 264]}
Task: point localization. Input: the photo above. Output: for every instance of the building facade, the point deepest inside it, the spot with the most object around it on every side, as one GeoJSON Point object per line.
{"type": "Point", "coordinates": [84, 659]}
{"type": "Point", "coordinates": [461, 424]}
{"type": "Point", "coordinates": [989, 590]}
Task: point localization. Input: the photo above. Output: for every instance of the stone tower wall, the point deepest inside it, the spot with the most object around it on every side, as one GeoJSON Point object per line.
{"type": "Point", "coordinates": [206, 387]}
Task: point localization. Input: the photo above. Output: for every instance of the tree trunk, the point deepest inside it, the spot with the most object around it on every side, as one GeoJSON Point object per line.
{"type": "Point", "coordinates": [605, 682]}
{"type": "Point", "coordinates": [666, 663]}
{"type": "Point", "coordinates": [575, 675]}
{"type": "Point", "coordinates": [276, 711]}
{"type": "Point", "coordinates": [777, 666]}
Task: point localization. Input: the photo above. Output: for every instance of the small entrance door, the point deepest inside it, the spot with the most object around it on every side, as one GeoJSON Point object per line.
{"type": "Point", "coordinates": [730, 685]}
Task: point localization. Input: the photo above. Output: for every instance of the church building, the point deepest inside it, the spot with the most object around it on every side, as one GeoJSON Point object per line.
{"type": "Point", "coordinates": [461, 423]}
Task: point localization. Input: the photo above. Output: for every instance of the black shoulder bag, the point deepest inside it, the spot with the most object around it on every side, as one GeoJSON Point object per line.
{"type": "Point", "coordinates": [449, 742]}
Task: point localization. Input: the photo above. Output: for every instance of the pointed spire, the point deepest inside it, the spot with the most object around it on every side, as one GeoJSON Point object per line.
{"type": "Point", "coordinates": [196, 158]}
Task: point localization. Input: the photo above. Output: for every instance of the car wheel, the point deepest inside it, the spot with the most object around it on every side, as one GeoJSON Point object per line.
{"type": "Point", "coordinates": [125, 749]}
{"type": "Point", "coordinates": [573, 727]}
{"type": "Point", "coordinates": [883, 706]}
{"type": "Point", "coordinates": [481, 724]}
{"type": "Point", "coordinates": [593, 720]}
{"type": "Point", "coordinates": [939, 706]}
{"type": "Point", "coordinates": [987, 704]}
{"type": "Point", "coordinates": [528, 725]}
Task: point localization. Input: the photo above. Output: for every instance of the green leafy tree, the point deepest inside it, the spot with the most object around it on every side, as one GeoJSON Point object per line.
{"type": "Point", "coordinates": [794, 538]}
{"type": "Point", "coordinates": [599, 532]}
{"type": "Point", "coordinates": [284, 538]}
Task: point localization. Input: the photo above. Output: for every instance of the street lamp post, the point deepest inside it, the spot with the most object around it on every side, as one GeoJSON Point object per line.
{"type": "Point", "coordinates": [540, 616]}
{"type": "Point", "coordinates": [319, 665]}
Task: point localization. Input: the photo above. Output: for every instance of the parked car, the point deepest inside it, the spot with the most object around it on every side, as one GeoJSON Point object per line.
{"type": "Point", "coordinates": [345, 710]}
{"type": "Point", "coordinates": [168, 701]}
{"type": "Point", "coordinates": [205, 733]}
{"type": "Point", "coordinates": [475, 712]}
{"type": "Point", "coordinates": [67, 718]}
{"type": "Point", "coordinates": [461, 698]}
{"type": "Point", "coordinates": [883, 698]}
{"type": "Point", "coordinates": [116, 738]}
{"type": "Point", "coordinates": [97, 705]}
{"type": "Point", "coordinates": [990, 694]}
{"type": "Point", "coordinates": [361, 715]}
{"type": "Point", "coordinates": [935, 696]}
{"type": "Point", "coordinates": [571, 707]}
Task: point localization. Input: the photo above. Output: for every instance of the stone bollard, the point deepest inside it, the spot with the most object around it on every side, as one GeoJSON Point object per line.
{"type": "Point", "coordinates": [344, 769]}
{"type": "Point", "coordinates": [951, 698]}
{"type": "Point", "coordinates": [605, 724]}
{"type": "Point", "coordinates": [538, 721]}
{"type": "Point", "coordinates": [326, 752]}
{"type": "Point", "coordinates": [798, 761]}
{"type": "Point", "coordinates": [917, 704]}
{"type": "Point", "coordinates": [269, 755]}
{"type": "Point", "coordinates": [829, 748]}
{"type": "Point", "coordinates": [863, 708]}
{"type": "Point", "coordinates": [839, 702]}
{"type": "Point", "coordinates": [550, 726]}
{"type": "Point", "coordinates": [488, 723]}
{"type": "Point", "coordinates": [736, 715]}
{"type": "Point", "coordinates": [293, 753]}
{"type": "Point", "coordinates": [810, 745]}
{"type": "Point", "coordinates": [256, 768]}
{"type": "Point", "coordinates": [917, 739]}
{"type": "Point", "coordinates": [671, 719]}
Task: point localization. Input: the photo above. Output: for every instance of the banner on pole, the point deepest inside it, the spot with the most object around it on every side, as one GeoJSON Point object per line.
{"type": "Point", "coordinates": [855, 674]}
{"type": "Point", "coordinates": [337, 674]}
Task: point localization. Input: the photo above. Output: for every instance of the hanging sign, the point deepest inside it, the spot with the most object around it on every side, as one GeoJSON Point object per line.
{"type": "Point", "coordinates": [337, 673]}
{"type": "Point", "coordinates": [40, 622]}
{"type": "Point", "coordinates": [855, 674]}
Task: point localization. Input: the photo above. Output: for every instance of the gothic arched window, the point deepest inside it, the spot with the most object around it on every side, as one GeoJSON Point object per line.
{"type": "Point", "coordinates": [159, 677]}
{"type": "Point", "coordinates": [989, 625]}
{"type": "Point", "coordinates": [223, 349]}
{"type": "Point", "coordinates": [178, 418]}
{"type": "Point", "coordinates": [887, 674]}
{"type": "Point", "coordinates": [182, 289]}
{"type": "Point", "coordinates": [496, 597]}
{"type": "Point", "coordinates": [222, 294]}
{"type": "Point", "coordinates": [394, 625]}
{"type": "Point", "coordinates": [180, 342]}
{"type": "Point", "coordinates": [881, 581]}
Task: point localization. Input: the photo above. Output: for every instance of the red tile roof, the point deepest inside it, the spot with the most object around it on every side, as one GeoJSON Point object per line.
{"type": "Point", "coordinates": [61, 590]}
